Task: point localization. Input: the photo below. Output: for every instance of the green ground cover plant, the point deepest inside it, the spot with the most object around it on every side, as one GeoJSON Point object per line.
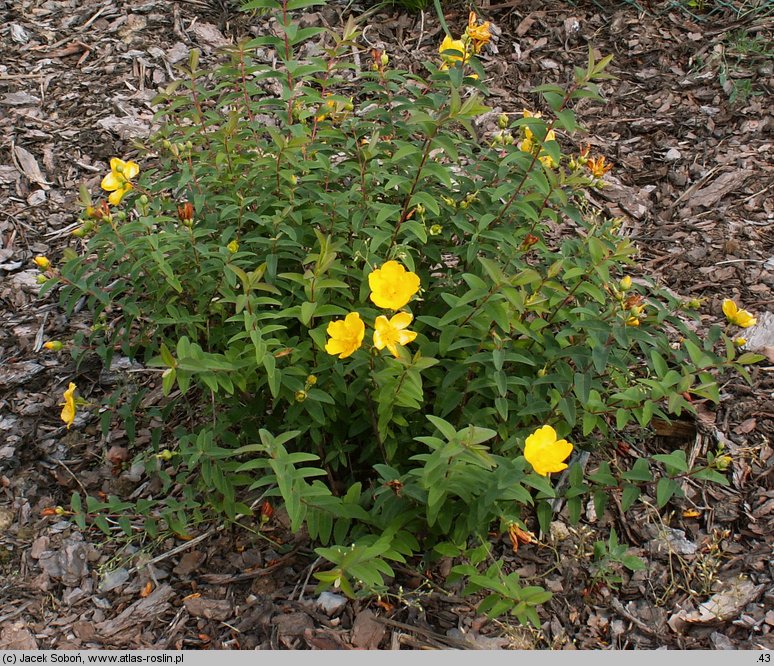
{"type": "Point", "coordinates": [361, 309]}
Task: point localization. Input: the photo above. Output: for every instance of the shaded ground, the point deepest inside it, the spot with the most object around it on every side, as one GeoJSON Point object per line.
{"type": "Point", "coordinates": [690, 131]}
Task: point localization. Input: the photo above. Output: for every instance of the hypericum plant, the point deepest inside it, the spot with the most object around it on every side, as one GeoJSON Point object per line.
{"type": "Point", "coordinates": [366, 309]}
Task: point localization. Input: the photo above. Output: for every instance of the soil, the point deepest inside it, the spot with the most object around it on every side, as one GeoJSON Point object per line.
{"type": "Point", "coordinates": [689, 129]}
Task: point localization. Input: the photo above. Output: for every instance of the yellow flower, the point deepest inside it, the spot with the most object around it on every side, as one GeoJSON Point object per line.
{"type": "Point", "coordinates": [68, 409]}
{"type": "Point", "coordinates": [392, 286]}
{"type": "Point", "coordinates": [43, 263]}
{"type": "Point", "coordinates": [478, 34]}
{"type": "Point", "coordinates": [632, 321]}
{"type": "Point", "coordinates": [598, 167]}
{"type": "Point", "coordinates": [233, 247]}
{"type": "Point", "coordinates": [346, 335]}
{"type": "Point", "coordinates": [449, 44]}
{"type": "Point", "coordinates": [741, 318]}
{"type": "Point", "coordinates": [530, 145]}
{"type": "Point", "coordinates": [391, 332]}
{"type": "Point", "coordinates": [740, 342]}
{"type": "Point", "coordinates": [53, 345]}
{"type": "Point", "coordinates": [626, 282]}
{"type": "Point", "coordinates": [117, 181]}
{"type": "Point", "coordinates": [545, 453]}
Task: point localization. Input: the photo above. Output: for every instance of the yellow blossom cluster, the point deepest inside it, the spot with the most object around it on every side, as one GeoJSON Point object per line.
{"type": "Point", "coordinates": [530, 144]}
{"type": "Point", "coordinates": [392, 287]}
{"type": "Point", "coordinates": [475, 37]}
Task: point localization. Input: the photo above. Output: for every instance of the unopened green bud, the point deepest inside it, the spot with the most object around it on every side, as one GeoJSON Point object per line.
{"type": "Point", "coordinates": [385, 60]}
{"type": "Point", "coordinates": [625, 283]}
{"type": "Point", "coordinates": [300, 396]}
{"type": "Point", "coordinates": [41, 279]}
{"type": "Point", "coordinates": [502, 120]}
{"type": "Point", "coordinates": [311, 380]}
{"type": "Point", "coordinates": [435, 230]}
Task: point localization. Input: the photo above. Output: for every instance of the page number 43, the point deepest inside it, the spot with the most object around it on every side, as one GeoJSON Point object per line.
{"type": "Point", "coordinates": [764, 658]}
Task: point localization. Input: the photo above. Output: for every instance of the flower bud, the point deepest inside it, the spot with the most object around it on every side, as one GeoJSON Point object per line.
{"type": "Point", "coordinates": [541, 372]}
{"type": "Point", "coordinates": [233, 247]}
{"type": "Point", "coordinates": [625, 283]}
{"type": "Point", "coordinates": [384, 59]}
{"type": "Point", "coordinates": [502, 120]}
{"type": "Point", "coordinates": [166, 454]}
{"type": "Point", "coordinates": [185, 212]}
{"type": "Point", "coordinates": [740, 342]}
{"type": "Point", "coordinates": [435, 230]}
{"type": "Point", "coordinates": [53, 345]}
{"type": "Point", "coordinates": [300, 396]}
{"type": "Point", "coordinates": [43, 263]}
{"type": "Point", "coordinates": [41, 279]}
{"type": "Point", "coordinates": [311, 380]}
{"type": "Point", "coordinates": [80, 232]}
{"type": "Point", "coordinates": [722, 462]}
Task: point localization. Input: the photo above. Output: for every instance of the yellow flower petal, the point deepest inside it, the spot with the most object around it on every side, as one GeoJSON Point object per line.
{"type": "Point", "coordinates": [68, 410]}
{"type": "Point", "coordinates": [111, 182]}
{"type": "Point", "coordinates": [131, 170]}
{"type": "Point", "coordinates": [115, 197]}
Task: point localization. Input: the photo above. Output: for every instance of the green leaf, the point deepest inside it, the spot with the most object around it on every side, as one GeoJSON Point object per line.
{"type": "Point", "coordinates": [629, 496]}
{"type": "Point", "coordinates": [665, 489]}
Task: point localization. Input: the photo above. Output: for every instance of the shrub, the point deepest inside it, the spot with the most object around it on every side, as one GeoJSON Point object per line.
{"type": "Point", "coordinates": [366, 310]}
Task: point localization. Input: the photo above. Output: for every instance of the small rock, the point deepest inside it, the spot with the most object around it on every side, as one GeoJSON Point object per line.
{"type": "Point", "coordinates": [113, 579]}
{"type": "Point", "coordinates": [559, 531]}
{"type": "Point", "coordinates": [19, 99]}
{"type": "Point", "coordinates": [209, 36]}
{"type": "Point", "coordinates": [330, 603]}
{"type": "Point", "coordinates": [673, 155]}
{"type": "Point", "coordinates": [16, 636]}
{"type": "Point", "coordinates": [672, 541]}
{"type": "Point", "coordinates": [37, 198]}
{"type": "Point", "coordinates": [292, 624]}
{"type": "Point", "coordinates": [39, 546]}
{"type": "Point", "coordinates": [721, 642]}
{"type": "Point", "coordinates": [177, 53]}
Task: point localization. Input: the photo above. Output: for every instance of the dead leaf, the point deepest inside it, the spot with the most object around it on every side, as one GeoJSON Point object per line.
{"type": "Point", "coordinates": [28, 165]}
{"type": "Point", "coordinates": [718, 188]}
{"type": "Point", "coordinates": [746, 426]}
{"type": "Point", "coordinates": [367, 632]}
{"type": "Point", "coordinates": [725, 605]}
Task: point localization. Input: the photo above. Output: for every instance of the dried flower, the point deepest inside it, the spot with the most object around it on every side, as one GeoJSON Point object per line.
{"type": "Point", "coordinates": [185, 212]}
{"type": "Point", "coordinates": [478, 34]}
